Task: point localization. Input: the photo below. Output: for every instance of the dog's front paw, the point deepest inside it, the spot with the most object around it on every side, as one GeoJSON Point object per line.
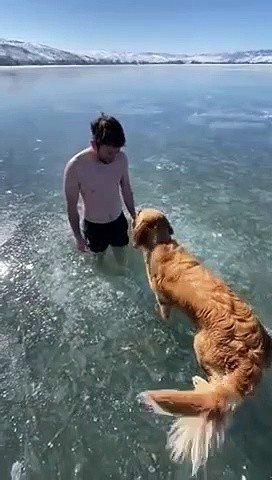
{"type": "Point", "coordinates": [157, 309]}
{"type": "Point", "coordinates": [162, 311]}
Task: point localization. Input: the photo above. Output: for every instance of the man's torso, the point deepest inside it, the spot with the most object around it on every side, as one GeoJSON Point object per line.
{"type": "Point", "coordinates": [99, 186]}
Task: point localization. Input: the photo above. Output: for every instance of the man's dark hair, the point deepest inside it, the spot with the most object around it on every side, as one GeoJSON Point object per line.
{"type": "Point", "coordinates": [106, 130]}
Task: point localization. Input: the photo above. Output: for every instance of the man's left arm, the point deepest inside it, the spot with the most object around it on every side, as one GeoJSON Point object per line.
{"type": "Point", "coordinates": [127, 190]}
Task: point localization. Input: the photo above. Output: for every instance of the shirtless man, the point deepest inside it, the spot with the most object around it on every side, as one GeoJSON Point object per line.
{"type": "Point", "coordinates": [97, 174]}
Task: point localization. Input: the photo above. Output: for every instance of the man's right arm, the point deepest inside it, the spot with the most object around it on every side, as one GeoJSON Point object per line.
{"type": "Point", "coordinates": [71, 193]}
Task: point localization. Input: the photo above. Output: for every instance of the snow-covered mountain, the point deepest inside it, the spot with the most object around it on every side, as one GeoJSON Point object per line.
{"type": "Point", "coordinates": [258, 56]}
{"type": "Point", "coordinates": [13, 52]}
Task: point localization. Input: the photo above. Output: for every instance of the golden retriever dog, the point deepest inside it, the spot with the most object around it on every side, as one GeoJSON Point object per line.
{"type": "Point", "coordinates": [231, 345]}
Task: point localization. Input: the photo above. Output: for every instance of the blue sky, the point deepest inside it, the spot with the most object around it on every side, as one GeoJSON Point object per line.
{"type": "Point", "coordinates": [176, 26]}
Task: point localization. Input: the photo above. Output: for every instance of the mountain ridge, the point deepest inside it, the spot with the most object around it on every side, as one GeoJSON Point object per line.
{"type": "Point", "coordinates": [20, 53]}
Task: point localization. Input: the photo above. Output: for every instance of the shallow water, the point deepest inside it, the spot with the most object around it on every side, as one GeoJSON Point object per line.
{"type": "Point", "coordinates": [77, 344]}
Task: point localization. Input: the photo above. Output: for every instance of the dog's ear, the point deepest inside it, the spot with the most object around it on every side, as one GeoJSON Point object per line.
{"type": "Point", "coordinates": [169, 226]}
{"type": "Point", "coordinates": [140, 233]}
{"type": "Point", "coordinates": [164, 224]}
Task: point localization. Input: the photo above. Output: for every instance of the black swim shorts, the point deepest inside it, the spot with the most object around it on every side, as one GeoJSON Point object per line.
{"type": "Point", "coordinates": [100, 235]}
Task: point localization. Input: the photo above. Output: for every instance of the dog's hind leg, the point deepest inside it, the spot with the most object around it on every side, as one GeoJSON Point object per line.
{"type": "Point", "coordinates": [204, 359]}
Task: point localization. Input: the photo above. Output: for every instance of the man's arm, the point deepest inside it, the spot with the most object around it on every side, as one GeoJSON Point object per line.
{"type": "Point", "coordinates": [71, 193]}
{"type": "Point", "coordinates": [127, 190]}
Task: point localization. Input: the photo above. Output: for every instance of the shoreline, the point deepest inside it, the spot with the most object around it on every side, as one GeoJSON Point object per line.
{"type": "Point", "coordinates": [17, 67]}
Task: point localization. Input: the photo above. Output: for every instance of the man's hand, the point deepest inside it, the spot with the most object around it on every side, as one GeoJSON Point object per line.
{"type": "Point", "coordinates": [132, 219]}
{"type": "Point", "coordinates": [81, 244]}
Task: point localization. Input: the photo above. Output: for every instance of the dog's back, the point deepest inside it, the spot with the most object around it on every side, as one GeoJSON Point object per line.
{"type": "Point", "coordinates": [230, 322]}
{"type": "Point", "coordinates": [184, 280]}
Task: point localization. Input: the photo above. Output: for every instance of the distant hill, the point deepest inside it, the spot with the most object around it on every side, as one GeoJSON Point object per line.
{"type": "Point", "coordinates": [13, 52]}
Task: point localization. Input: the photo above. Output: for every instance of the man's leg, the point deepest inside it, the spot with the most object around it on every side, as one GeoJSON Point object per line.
{"type": "Point", "coordinates": [120, 255]}
{"type": "Point", "coordinates": [95, 235]}
{"type": "Point", "coordinates": [119, 239]}
{"type": "Point", "coordinates": [98, 256]}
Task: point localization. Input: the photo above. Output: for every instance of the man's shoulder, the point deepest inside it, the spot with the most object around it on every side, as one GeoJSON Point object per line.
{"type": "Point", "coordinates": [123, 159]}
{"type": "Point", "coordinates": [79, 158]}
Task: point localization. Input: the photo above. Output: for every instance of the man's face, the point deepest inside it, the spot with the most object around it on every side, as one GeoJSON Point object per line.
{"type": "Point", "coordinates": [107, 153]}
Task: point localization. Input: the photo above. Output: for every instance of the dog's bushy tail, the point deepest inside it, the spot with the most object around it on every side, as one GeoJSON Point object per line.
{"type": "Point", "coordinates": [203, 416]}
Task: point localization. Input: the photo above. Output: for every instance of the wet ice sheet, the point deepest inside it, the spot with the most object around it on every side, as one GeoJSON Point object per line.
{"type": "Point", "coordinates": [78, 344]}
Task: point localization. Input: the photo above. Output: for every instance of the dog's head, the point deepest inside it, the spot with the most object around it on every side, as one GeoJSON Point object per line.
{"type": "Point", "coordinates": [149, 227]}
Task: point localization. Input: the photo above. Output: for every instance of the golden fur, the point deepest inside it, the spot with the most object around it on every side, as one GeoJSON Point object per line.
{"type": "Point", "coordinates": [230, 344]}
